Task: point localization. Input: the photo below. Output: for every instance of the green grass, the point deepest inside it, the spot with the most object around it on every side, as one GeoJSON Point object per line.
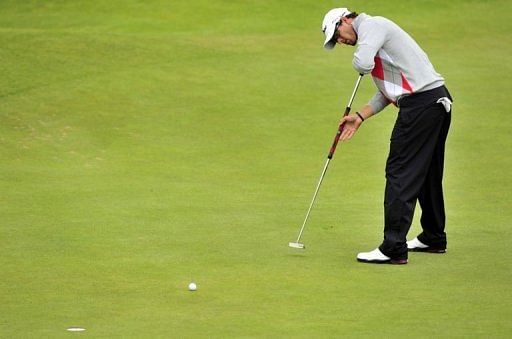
{"type": "Point", "coordinates": [145, 145]}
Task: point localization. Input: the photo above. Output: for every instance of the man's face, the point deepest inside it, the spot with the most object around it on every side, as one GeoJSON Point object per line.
{"type": "Point", "coordinates": [345, 33]}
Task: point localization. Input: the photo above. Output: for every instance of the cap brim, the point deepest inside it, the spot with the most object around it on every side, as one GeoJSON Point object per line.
{"type": "Point", "coordinates": [329, 33]}
{"type": "Point", "coordinates": [329, 44]}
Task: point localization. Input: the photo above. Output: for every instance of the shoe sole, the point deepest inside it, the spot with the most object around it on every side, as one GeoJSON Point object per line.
{"type": "Point", "coordinates": [428, 250]}
{"type": "Point", "coordinates": [391, 261]}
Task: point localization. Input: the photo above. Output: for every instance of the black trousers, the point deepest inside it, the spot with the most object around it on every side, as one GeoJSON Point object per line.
{"type": "Point", "coordinates": [414, 172]}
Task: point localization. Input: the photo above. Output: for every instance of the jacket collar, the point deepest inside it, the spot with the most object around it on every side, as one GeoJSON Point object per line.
{"type": "Point", "coordinates": [357, 21]}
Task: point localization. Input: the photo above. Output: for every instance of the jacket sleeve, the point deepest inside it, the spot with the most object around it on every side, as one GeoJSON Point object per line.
{"type": "Point", "coordinates": [378, 102]}
{"type": "Point", "coordinates": [371, 37]}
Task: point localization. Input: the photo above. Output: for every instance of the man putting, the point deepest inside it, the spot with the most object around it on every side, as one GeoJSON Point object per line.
{"type": "Point", "coordinates": [405, 77]}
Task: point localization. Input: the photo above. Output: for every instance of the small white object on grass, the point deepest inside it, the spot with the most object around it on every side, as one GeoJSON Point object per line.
{"type": "Point", "coordinates": [76, 329]}
{"type": "Point", "coordinates": [192, 286]}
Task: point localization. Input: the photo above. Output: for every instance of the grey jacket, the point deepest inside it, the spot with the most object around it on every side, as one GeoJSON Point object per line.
{"type": "Point", "coordinates": [398, 65]}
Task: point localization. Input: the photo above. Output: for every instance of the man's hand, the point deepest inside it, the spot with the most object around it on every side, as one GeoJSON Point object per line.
{"type": "Point", "coordinates": [352, 123]}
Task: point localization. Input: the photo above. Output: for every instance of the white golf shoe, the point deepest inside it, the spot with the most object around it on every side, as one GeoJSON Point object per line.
{"type": "Point", "coordinates": [377, 257]}
{"type": "Point", "coordinates": [415, 245]}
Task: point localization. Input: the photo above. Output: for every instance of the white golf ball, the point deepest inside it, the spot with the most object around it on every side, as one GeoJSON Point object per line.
{"type": "Point", "coordinates": [192, 286]}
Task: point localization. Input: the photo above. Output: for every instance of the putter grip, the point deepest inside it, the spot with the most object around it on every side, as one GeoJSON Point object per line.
{"type": "Point", "coordinates": [338, 134]}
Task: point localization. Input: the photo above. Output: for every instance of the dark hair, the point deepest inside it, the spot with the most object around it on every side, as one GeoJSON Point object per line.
{"type": "Point", "coordinates": [352, 15]}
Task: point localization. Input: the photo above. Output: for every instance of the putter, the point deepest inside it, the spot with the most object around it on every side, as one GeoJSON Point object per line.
{"type": "Point", "coordinates": [297, 243]}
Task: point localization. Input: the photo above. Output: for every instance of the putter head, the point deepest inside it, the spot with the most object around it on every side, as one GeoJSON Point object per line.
{"type": "Point", "coordinates": [296, 245]}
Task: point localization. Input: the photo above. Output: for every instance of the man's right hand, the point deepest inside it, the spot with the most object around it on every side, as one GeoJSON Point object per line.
{"type": "Point", "coordinates": [352, 123]}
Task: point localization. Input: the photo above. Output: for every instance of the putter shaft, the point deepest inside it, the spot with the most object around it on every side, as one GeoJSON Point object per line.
{"type": "Point", "coordinates": [329, 157]}
{"type": "Point", "coordinates": [314, 198]}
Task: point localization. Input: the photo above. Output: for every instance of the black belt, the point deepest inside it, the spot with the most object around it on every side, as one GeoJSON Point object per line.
{"type": "Point", "coordinates": [424, 98]}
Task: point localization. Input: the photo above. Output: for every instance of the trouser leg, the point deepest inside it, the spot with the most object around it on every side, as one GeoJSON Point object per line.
{"type": "Point", "coordinates": [431, 195]}
{"type": "Point", "coordinates": [413, 143]}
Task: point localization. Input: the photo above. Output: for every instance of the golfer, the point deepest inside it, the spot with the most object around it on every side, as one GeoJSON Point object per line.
{"type": "Point", "coordinates": [405, 78]}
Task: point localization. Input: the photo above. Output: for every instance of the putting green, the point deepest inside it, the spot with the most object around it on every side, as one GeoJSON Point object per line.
{"type": "Point", "coordinates": [147, 145]}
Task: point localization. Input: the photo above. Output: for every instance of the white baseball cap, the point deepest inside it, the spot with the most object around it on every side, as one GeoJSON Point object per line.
{"type": "Point", "coordinates": [329, 24]}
